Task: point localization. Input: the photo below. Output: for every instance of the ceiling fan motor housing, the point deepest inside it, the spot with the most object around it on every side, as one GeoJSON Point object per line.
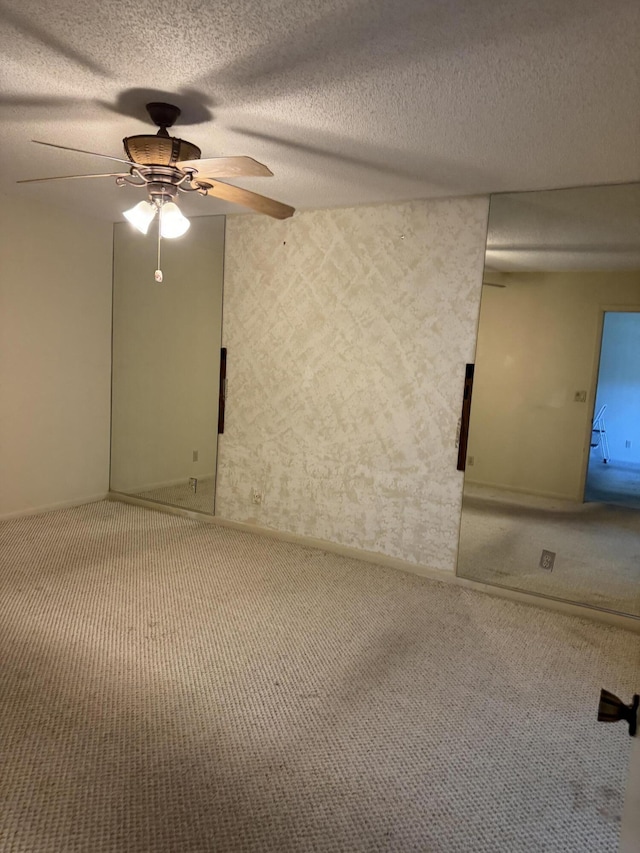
{"type": "Point", "coordinates": [164, 115]}
{"type": "Point", "coordinates": [154, 150]}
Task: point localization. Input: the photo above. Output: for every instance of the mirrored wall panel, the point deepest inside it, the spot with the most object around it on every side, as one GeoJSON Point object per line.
{"type": "Point", "coordinates": [551, 501]}
{"type": "Point", "coordinates": [166, 365]}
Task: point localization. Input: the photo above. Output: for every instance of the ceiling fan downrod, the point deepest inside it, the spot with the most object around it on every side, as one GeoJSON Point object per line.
{"type": "Point", "coordinates": [163, 116]}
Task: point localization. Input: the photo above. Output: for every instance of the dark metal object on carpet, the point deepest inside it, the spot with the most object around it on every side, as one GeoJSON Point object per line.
{"type": "Point", "coordinates": [612, 710]}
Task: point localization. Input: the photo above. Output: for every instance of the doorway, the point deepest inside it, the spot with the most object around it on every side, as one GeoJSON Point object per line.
{"type": "Point", "coordinates": [613, 473]}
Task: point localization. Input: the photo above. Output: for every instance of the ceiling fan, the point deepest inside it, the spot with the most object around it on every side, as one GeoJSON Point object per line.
{"type": "Point", "coordinates": [166, 166]}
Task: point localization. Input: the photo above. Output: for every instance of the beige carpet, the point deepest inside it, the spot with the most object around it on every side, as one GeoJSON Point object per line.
{"type": "Point", "coordinates": [167, 685]}
{"type": "Point", "coordinates": [597, 547]}
{"type": "Point", "coordinates": [615, 481]}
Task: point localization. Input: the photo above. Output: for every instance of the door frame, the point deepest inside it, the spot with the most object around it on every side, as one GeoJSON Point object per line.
{"type": "Point", "coordinates": [626, 308]}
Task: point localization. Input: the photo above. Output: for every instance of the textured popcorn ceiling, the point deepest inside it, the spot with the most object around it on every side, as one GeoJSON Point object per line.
{"type": "Point", "coordinates": [347, 102]}
{"type": "Point", "coordinates": [585, 228]}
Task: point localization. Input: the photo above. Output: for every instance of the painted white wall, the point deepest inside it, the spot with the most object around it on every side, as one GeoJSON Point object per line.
{"type": "Point", "coordinates": [538, 344]}
{"type": "Point", "coordinates": [348, 332]}
{"type": "Point", "coordinates": [55, 357]}
{"type": "Point", "coordinates": [619, 384]}
{"type": "Point", "coordinates": [166, 355]}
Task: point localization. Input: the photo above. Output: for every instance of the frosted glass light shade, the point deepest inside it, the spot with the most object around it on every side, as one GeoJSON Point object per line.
{"type": "Point", "coordinates": [141, 215]}
{"type": "Point", "coordinates": [172, 222]}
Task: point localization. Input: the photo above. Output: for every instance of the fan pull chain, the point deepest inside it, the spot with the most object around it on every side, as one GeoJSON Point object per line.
{"type": "Point", "coordinates": [158, 272]}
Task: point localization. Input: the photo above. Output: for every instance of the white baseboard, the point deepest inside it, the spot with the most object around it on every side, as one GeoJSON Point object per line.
{"type": "Point", "coordinates": [165, 484]}
{"type": "Point", "coordinates": [537, 493]}
{"type": "Point", "coordinates": [295, 538]}
{"type": "Point", "coordinates": [583, 611]}
{"type": "Point", "coordinates": [90, 499]}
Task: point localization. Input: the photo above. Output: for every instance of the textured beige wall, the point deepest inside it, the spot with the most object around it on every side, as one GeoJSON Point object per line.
{"type": "Point", "coordinates": [55, 357]}
{"type": "Point", "coordinates": [538, 343]}
{"type": "Point", "coordinates": [166, 355]}
{"type": "Point", "coordinates": [348, 331]}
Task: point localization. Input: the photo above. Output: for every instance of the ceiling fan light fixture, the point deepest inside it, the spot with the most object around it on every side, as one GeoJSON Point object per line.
{"type": "Point", "coordinates": [173, 223]}
{"type": "Point", "coordinates": [141, 216]}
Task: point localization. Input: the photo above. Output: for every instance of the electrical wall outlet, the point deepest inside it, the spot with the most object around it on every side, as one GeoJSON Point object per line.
{"type": "Point", "coordinates": [547, 559]}
{"type": "Point", "coordinates": [471, 460]}
{"type": "Point", "coordinates": [193, 484]}
{"type": "Point", "coordinates": [195, 455]}
{"type": "Point", "coordinates": [256, 496]}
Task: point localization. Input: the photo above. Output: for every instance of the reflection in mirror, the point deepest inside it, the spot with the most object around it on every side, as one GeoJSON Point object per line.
{"type": "Point", "coordinates": [166, 363]}
{"type": "Point", "coordinates": [551, 501]}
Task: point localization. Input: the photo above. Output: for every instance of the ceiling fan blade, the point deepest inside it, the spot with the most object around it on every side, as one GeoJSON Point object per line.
{"type": "Point", "coordinates": [82, 151]}
{"type": "Point", "coordinates": [229, 167]}
{"type": "Point", "coordinates": [71, 177]}
{"type": "Point", "coordinates": [237, 195]}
